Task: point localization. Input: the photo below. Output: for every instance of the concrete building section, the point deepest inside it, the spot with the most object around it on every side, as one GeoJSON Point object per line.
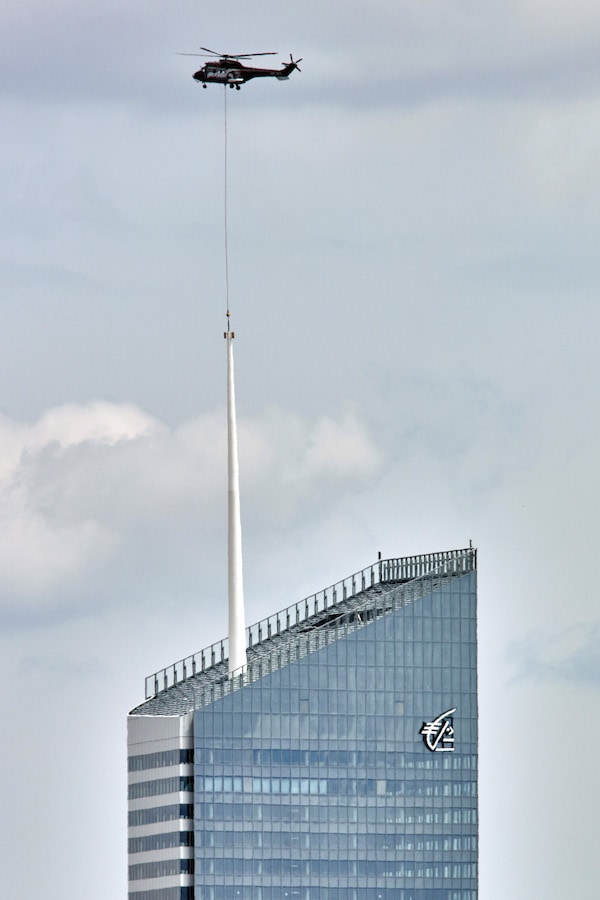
{"type": "Point", "coordinates": [160, 806]}
{"type": "Point", "coordinates": [342, 764]}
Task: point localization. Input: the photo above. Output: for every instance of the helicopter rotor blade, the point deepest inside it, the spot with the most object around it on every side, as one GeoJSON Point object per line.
{"type": "Point", "coordinates": [238, 55]}
{"type": "Point", "coordinates": [248, 55]}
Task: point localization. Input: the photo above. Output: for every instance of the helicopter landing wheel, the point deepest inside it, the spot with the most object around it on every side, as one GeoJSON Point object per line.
{"type": "Point", "coordinates": [237, 87]}
{"type": "Point", "coordinates": [204, 86]}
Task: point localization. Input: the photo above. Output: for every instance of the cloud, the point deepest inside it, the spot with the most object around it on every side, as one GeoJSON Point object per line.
{"type": "Point", "coordinates": [340, 449]}
{"type": "Point", "coordinates": [291, 463]}
{"type": "Point", "coordinates": [103, 486]}
{"type": "Point", "coordinates": [381, 53]}
{"type": "Point", "coordinates": [569, 655]}
{"type": "Point", "coordinates": [52, 533]}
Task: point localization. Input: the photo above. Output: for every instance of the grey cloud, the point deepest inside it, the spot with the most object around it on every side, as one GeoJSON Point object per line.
{"type": "Point", "coordinates": [569, 655]}
{"type": "Point", "coordinates": [376, 55]}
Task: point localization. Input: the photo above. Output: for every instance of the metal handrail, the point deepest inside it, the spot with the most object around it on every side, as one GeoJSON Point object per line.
{"type": "Point", "coordinates": [398, 570]}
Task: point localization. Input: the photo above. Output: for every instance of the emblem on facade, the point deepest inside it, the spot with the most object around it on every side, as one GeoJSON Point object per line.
{"type": "Point", "coordinates": [439, 734]}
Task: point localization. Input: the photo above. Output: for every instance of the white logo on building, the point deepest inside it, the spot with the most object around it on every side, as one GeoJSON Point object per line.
{"type": "Point", "coordinates": [439, 734]}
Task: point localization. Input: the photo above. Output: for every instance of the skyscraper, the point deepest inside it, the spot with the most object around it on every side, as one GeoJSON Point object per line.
{"type": "Point", "coordinates": [340, 763]}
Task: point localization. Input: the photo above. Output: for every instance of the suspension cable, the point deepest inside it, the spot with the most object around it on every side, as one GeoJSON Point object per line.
{"type": "Point", "coordinates": [225, 205]}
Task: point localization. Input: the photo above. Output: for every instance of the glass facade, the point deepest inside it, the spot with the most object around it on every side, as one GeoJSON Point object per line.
{"type": "Point", "coordinates": [315, 782]}
{"type": "Point", "coordinates": [346, 773]}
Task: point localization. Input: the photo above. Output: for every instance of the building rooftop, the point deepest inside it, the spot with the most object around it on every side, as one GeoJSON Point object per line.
{"type": "Point", "coordinates": [300, 629]}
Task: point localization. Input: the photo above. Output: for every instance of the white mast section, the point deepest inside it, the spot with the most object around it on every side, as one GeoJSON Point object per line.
{"type": "Point", "coordinates": [237, 623]}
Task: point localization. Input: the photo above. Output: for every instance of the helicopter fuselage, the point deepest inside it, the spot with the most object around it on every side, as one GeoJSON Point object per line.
{"type": "Point", "coordinates": [235, 73]}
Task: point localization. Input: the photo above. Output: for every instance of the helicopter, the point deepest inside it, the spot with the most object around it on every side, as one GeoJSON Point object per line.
{"type": "Point", "coordinates": [227, 68]}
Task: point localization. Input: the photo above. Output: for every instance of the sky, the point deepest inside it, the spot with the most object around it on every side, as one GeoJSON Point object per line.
{"type": "Point", "coordinates": [413, 226]}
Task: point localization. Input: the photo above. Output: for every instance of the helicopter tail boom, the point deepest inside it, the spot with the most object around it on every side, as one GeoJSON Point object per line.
{"type": "Point", "coordinates": [289, 68]}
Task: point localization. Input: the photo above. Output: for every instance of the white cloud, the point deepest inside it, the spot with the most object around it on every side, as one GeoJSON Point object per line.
{"type": "Point", "coordinates": [37, 557]}
{"type": "Point", "coordinates": [88, 485]}
{"type": "Point", "coordinates": [341, 449]}
{"type": "Point", "coordinates": [51, 535]}
{"type": "Point", "coordinates": [289, 463]}
{"type": "Point", "coordinates": [100, 422]}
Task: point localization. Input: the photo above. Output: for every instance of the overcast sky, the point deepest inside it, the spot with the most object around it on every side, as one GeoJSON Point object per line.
{"type": "Point", "coordinates": [414, 269]}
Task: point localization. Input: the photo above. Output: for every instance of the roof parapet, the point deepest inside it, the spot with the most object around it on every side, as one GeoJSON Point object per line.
{"type": "Point", "coordinates": [308, 612]}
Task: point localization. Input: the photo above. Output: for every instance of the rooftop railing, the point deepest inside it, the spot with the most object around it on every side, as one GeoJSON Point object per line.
{"type": "Point", "coordinates": [384, 571]}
